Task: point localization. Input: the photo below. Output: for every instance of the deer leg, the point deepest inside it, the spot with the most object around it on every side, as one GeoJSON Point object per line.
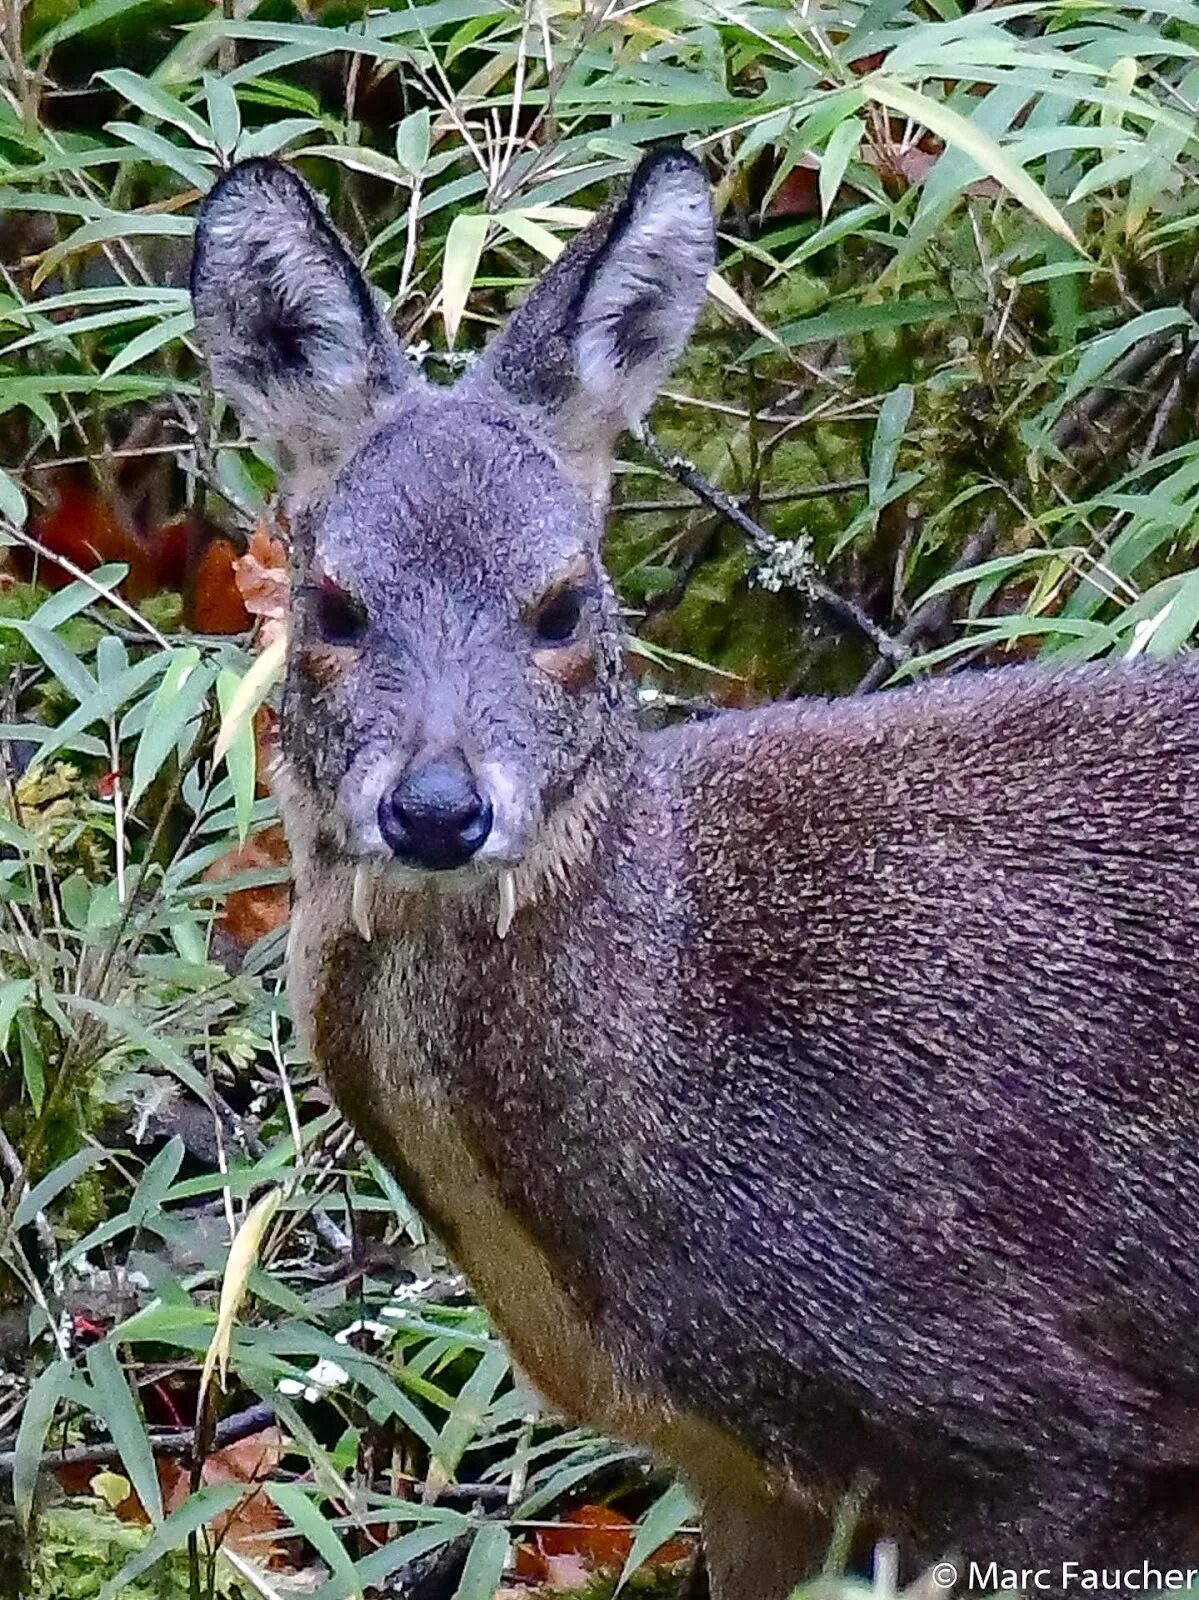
{"type": "Point", "coordinates": [759, 1545]}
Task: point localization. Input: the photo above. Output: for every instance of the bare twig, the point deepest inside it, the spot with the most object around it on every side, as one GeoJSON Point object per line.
{"type": "Point", "coordinates": [837, 605]}
{"type": "Point", "coordinates": [768, 497]}
{"type": "Point", "coordinates": [1161, 416]}
{"type": "Point", "coordinates": [176, 1443]}
{"type": "Point", "coordinates": [933, 614]}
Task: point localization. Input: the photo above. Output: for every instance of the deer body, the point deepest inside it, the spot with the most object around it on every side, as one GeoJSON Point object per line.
{"type": "Point", "coordinates": [811, 1094]}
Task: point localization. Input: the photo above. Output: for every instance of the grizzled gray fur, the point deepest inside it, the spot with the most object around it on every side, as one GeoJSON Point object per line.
{"type": "Point", "coordinates": [812, 1095]}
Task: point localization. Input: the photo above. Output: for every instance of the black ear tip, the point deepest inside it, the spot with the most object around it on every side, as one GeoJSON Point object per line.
{"type": "Point", "coordinates": [666, 163]}
{"type": "Point", "coordinates": [258, 177]}
{"type": "Point", "coordinates": [256, 193]}
{"type": "Point", "coordinates": [671, 177]}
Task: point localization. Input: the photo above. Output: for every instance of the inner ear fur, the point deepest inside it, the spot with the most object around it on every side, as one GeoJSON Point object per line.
{"type": "Point", "coordinates": [586, 353]}
{"type": "Point", "coordinates": [294, 335]}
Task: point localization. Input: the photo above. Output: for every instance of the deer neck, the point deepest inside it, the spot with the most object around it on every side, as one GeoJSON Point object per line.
{"type": "Point", "coordinates": [499, 941]}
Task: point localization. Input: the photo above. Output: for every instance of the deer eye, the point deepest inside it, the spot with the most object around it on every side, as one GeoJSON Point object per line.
{"type": "Point", "coordinates": [558, 616]}
{"type": "Point", "coordinates": [340, 616]}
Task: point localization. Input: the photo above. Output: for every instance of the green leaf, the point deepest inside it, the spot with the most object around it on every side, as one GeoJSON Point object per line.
{"type": "Point", "coordinates": [10, 832]}
{"type": "Point", "coordinates": [463, 249]}
{"type": "Point", "coordinates": [484, 1569]}
{"type": "Point", "coordinates": [176, 703]}
{"type": "Point", "coordinates": [150, 341]}
{"type": "Point", "coordinates": [888, 436]}
{"type": "Point", "coordinates": [564, 1477]}
{"type": "Point", "coordinates": [113, 225]}
{"type": "Point", "coordinates": [1167, 632]}
{"type": "Point", "coordinates": [224, 114]}
{"type": "Point", "coordinates": [145, 1203]}
{"type": "Point", "coordinates": [87, 17]}
{"type": "Point", "coordinates": [115, 1406]}
{"type": "Point", "coordinates": [240, 754]}
{"type": "Point", "coordinates": [838, 153]}
{"type": "Point", "coordinates": [15, 993]}
{"type": "Point", "coordinates": [373, 1569]}
{"type": "Point", "coordinates": [967, 136]}
{"type": "Point", "coordinates": [105, 702]}
{"type": "Point", "coordinates": [33, 1060]}
{"type": "Point", "coordinates": [208, 1503]}
{"type": "Point", "coordinates": [465, 1422]}
{"type": "Point", "coordinates": [158, 1048]}
{"type": "Point", "coordinates": [297, 1506]}
{"type": "Point", "coordinates": [57, 654]}
{"type": "Point", "coordinates": [79, 594]}
{"type": "Point", "coordinates": [12, 500]}
{"type": "Point", "coordinates": [999, 566]}
{"type": "Point", "coordinates": [670, 1512]}
{"type": "Point", "coordinates": [64, 1175]}
{"type": "Point", "coordinates": [853, 318]}
{"type": "Point", "coordinates": [37, 1415]}
{"type": "Point", "coordinates": [412, 141]}
{"type": "Point", "coordinates": [190, 165]}
{"type": "Point", "coordinates": [157, 103]}
{"type": "Point", "coordinates": [269, 140]}
{"type": "Point", "coordinates": [1105, 351]}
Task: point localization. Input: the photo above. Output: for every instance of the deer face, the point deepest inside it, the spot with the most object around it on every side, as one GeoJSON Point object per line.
{"type": "Point", "coordinates": [454, 679]}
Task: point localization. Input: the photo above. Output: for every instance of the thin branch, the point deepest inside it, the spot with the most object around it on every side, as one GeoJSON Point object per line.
{"type": "Point", "coordinates": [837, 605]}
{"type": "Point", "coordinates": [769, 497]}
{"type": "Point", "coordinates": [933, 614]}
{"type": "Point", "coordinates": [176, 1443]}
{"type": "Point", "coordinates": [242, 1425]}
{"type": "Point", "coordinates": [1162, 415]}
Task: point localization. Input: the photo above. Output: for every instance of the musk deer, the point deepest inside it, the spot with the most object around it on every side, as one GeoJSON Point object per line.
{"type": "Point", "coordinates": [811, 1095]}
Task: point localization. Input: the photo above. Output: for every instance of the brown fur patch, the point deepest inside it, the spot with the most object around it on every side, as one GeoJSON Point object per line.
{"type": "Point", "coordinates": [326, 664]}
{"type": "Point", "coordinates": [572, 665]}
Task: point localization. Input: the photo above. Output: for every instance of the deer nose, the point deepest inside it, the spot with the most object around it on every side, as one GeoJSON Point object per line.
{"type": "Point", "coordinates": [435, 817]}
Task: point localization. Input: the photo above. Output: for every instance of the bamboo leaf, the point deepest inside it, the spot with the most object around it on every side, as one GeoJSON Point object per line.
{"type": "Point", "coordinates": [484, 1569]}
{"type": "Point", "coordinates": [176, 703]}
{"type": "Point", "coordinates": [669, 1512]}
{"type": "Point", "coordinates": [243, 1256]}
{"type": "Point", "coordinates": [239, 752]}
{"type": "Point", "coordinates": [463, 250]}
{"type": "Point", "coordinates": [115, 1406]}
{"type": "Point", "coordinates": [208, 1503]}
{"type": "Point", "coordinates": [38, 1413]}
{"type": "Point", "coordinates": [967, 136]}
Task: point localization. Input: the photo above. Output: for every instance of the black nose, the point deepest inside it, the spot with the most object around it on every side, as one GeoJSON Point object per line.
{"type": "Point", "coordinates": [435, 817]}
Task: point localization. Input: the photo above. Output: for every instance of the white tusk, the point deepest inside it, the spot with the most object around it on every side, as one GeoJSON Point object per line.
{"type": "Point", "coordinates": [507, 881]}
{"type": "Point", "coordinates": [359, 909]}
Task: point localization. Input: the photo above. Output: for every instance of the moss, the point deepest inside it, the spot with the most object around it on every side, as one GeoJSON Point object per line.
{"type": "Point", "coordinates": [80, 1548]}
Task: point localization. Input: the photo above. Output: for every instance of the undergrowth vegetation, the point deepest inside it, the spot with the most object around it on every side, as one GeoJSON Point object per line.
{"type": "Point", "coordinates": [940, 411]}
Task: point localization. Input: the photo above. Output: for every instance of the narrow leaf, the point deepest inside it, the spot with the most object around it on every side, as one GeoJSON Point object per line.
{"type": "Point", "coordinates": [243, 1256]}
{"type": "Point", "coordinates": [40, 1405]}
{"type": "Point", "coordinates": [484, 1569]}
{"type": "Point", "coordinates": [463, 249]}
{"type": "Point", "coordinates": [115, 1406]}
{"type": "Point", "coordinates": [965, 135]}
{"type": "Point", "coordinates": [208, 1503]}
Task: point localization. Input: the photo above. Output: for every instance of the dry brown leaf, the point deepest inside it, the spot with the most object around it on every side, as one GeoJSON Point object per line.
{"type": "Point", "coordinates": [249, 1525]}
{"type": "Point", "coordinates": [248, 914]}
{"type": "Point", "coordinates": [262, 581]}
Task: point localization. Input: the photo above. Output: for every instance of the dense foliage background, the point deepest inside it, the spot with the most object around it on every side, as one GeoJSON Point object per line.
{"type": "Point", "coordinates": [940, 411]}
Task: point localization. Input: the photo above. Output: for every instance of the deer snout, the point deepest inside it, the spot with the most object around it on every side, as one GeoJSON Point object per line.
{"type": "Point", "coordinates": [435, 818]}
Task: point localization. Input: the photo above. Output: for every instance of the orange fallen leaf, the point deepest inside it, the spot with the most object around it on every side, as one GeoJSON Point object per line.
{"type": "Point", "coordinates": [262, 581]}
{"type": "Point", "coordinates": [599, 1535]}
{"type": "Point", "coordinates": [588, 1539]}
{"type": "Point", "coordinates": [248, 1525]}
{"type": "Point", "coordinates": [248, 914]}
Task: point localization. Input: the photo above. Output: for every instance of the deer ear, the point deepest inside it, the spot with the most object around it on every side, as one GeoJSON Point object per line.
{"type": "Point", "coordinates": [585, 354]}
{"type": "Point", "coordinates": [292, 331]}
